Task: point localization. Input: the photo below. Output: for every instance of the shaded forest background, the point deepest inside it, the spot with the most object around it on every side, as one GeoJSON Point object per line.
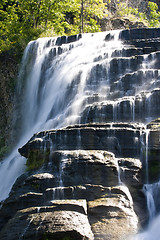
{"type": "Point", "coordinates": [25, 20]}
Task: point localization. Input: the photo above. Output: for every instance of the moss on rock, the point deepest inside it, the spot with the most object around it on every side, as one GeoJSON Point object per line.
{"type": "Point", "coordinates": [36, 159]}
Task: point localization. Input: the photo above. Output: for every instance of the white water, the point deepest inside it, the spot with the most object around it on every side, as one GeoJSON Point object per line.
{"type": "Point", "coordinates": [152, 233]}
{"type": "Point", "coordinates": [147, 131]}
{"type": "Point", "coordinates": [151, 192]}
{"type": "Point", "coordinates": [47, 101]}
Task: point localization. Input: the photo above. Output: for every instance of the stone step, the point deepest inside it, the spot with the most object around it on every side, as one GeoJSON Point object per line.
{"type": "Point", "coordinates": [140, 33]}
{"type": "Point", "coordinates": [152, 162]}
{"type": "Point", "coordinates": [123, 139]}
{"type": "Point", "coordinates": [143, 107]}
{"type": "Point", "coordinates": [132, 83]}
{"type": "Point", "coordinates": [148, 46]}
{"type": "Point", "coordinates": [129, 87]}
{"type": "Point", "coordinates": [63, 40]}
{"type": "Point", "coordinates": [117, 68]}
{"type": "Point", "coordinates": [127, 51]}
{"type": "Point", "coordinates": [135, 50]}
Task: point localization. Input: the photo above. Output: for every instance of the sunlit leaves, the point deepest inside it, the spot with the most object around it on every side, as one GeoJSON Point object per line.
{"type": "Point", "coordinates": [23, 20]}
{"type": "Point", "coordinates": [88, 13]}
{"type": "Point", "coordinates": [154, 15]}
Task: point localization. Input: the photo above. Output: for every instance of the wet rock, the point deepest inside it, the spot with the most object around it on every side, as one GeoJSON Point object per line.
{"type": "Point", "coordinates": [140, 108]}
{"type": "Point", "coordinates": [154, 125]}
{"type": "Point", "coordinates": [70, 39]}
{"type": "Point", "coordinates": [86, 191]}
{"type": "Point", "coordinates": [141, 33]}
{"type": "Point", "coordinates": [65, 219]}
{"type": "Point", "coordinates": [13, 204]}
{"type": "Point", "coordinates": [130, 172]}
{"type": "Point", "coordinates": [26, 192]}
{"type": "Point", "coordinates": [151, 159]}
{"type": "Point", "coordinates": [78, 174]}
{"type": "Point", "coordinates": [86, 167]}
{"type": "Point", "coordinates": [113, 210]}
{"type": "Point", "coordinates": [119, 139]}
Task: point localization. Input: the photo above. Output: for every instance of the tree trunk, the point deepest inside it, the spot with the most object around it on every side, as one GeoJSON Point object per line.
{"type": "Point", "coordinates": [38, 12]}
{"type": "Point", "coordinates": [82, 17]}
{"type": "Point", "coordinates": [46, 21]}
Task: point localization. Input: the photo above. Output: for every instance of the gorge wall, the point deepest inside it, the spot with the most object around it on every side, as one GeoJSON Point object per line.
{"type": "Point", "coordinates": [9, 66]}
{"type": "Point", "coordinates": [90, 133]}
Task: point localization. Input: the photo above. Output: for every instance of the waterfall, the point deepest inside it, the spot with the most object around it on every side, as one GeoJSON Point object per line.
{"type": "Point", "coordinates": [149, 192]}
{"type": "Point", "coordinates": [152, 232]}
{"type": "Point", "coordinates": [55, 81]}
{"type": "Point", "coordinates": [87, 79]}
{"type": "Point", "coordinates": [152, 196]}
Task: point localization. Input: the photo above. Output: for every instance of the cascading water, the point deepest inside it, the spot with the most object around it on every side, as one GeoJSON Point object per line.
{"type": "Point", "coordinates": [151, 192]}
{"type": "Point", "coordinates": [54, 80]}
{"type": "Point", "coordinates": [91, 79]}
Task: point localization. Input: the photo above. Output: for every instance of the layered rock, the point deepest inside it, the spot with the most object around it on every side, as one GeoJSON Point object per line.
{"type": "Point", "coordinates": [80, 174]}
{"type": "Point", "coordinates": [64, 219]}
{"type": "Point", "coordinates": [9, 64]}
{"type": "Point", "coordinates": [121, 138]}
{"type": "Point", "coordinates": [140, 108]}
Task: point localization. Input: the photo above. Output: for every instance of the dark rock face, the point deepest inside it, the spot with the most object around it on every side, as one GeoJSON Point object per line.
{"type": "Point", "coordinates": [153, 150]}
{"type": "Point", "coordinates": [140, 33]}
{"type": "Point", "coordinates": [8, 73]}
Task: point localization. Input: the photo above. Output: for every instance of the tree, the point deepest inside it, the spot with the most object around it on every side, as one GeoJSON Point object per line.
{"type": "Point", "coordinates": [88, 13]}
{"type": "Point", "coordinates": [8, 21]}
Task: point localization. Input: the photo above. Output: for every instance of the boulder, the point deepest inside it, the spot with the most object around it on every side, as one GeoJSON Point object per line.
{"type": "Point", "coordinates": [63, 220]}
{"type": "Point", "coordinates": [115, 209]}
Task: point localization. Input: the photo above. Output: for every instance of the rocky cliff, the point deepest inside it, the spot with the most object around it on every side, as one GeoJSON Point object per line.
{"type": "Point", "coordinates": [9, 66]}
{"type": "Point", "coordinates": [85, 181]}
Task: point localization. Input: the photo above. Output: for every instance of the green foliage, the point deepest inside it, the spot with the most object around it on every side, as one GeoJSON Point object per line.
{"type": "Point", "coordinates": [88, 12]}
{"type": "Point", "coordinates": [14, 33]}
{"type": "Point", "coordinates": [25, 20]}
{"type": "Point", "coordinates": [36, 186]}
{"type": "Point", "coordinates": [151, 19]}
{"type": "Point", "coordinates": [154, 16]}
{"type": "Point", "coordinates": [132, 13]}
